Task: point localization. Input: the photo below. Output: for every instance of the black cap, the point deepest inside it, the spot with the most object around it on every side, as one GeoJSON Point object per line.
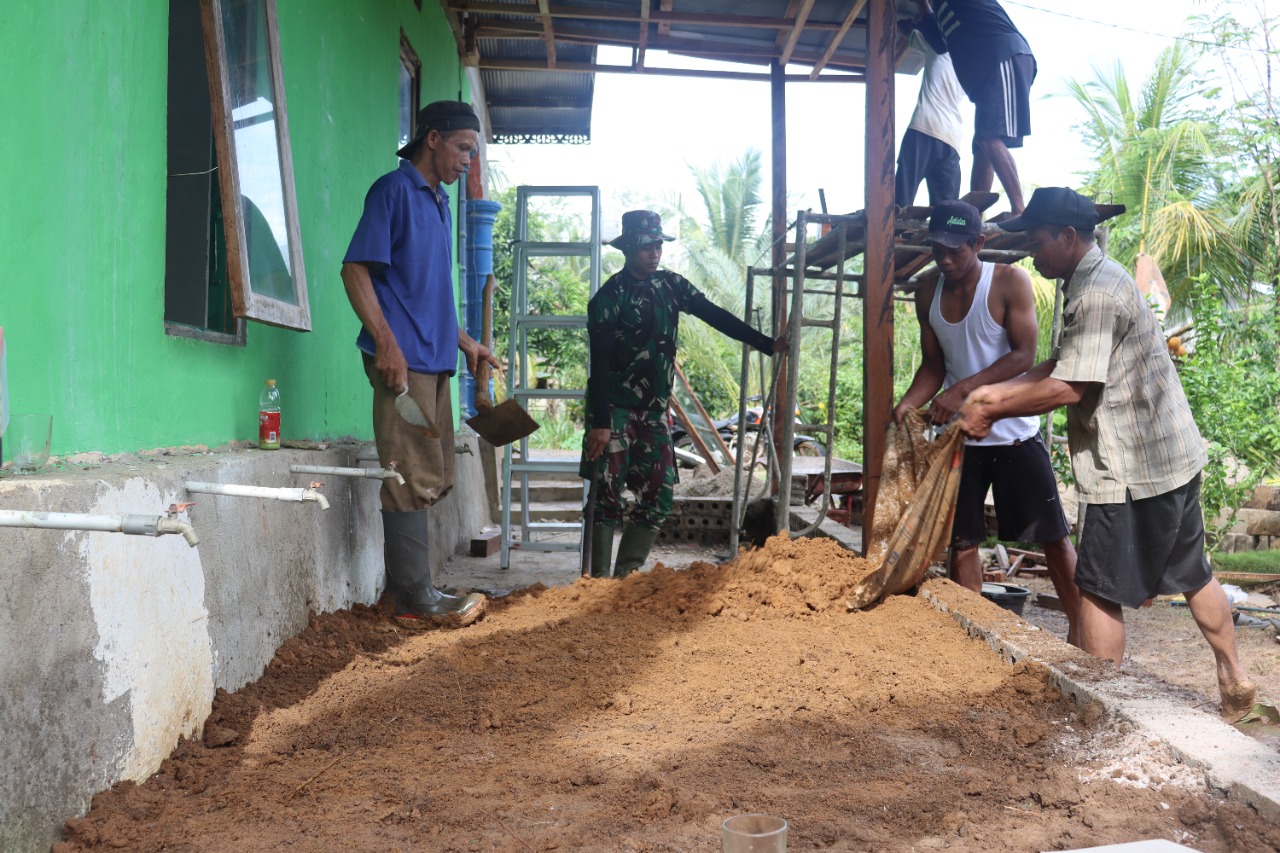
{"type": "Point", "coordinates": [954, 223]}
{"type": "Point", "coordinates": [443, 116]}
{"type": "Point", "coordinates": [1055, 206]}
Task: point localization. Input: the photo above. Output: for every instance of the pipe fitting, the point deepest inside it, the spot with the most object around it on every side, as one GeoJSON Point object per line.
{"type": "Point", "coordinates": [366, 473]}
{"type": "Point", "coordinates": [269, 492]}
{"type": "Point", "coordinates": [133, 525]}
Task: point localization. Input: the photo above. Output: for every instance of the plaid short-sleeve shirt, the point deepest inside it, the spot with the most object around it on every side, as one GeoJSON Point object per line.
{"type": "Point", "coordinates": [1133, 430]}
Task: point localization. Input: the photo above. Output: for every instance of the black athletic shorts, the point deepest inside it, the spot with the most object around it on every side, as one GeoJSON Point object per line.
{"type": "Point", "coordinates": [1139, 549]}
{"type": "Point", "coordinates": [924, 158]}
{"type": "Point", "coordinates": [1026, 494]}
{"type": "Point", "coordinates": [1002, 104]}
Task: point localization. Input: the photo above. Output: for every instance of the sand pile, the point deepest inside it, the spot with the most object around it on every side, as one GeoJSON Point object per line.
{"type": "Point", "coordinates": [634, 716]}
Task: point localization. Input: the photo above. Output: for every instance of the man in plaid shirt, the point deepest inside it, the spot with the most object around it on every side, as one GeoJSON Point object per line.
{"type": "Point", "coordinates": [1135, 448]}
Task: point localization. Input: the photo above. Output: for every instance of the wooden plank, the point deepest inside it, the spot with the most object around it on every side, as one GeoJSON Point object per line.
{"type": "Point", "coordinates": [702, 411]}
{"type": "Point", "coordinates": [877, 371]}
{"type": "Point", "coordinates": [664, 16]}
{"type": "Point", "coordinates": [698, 443]}
{"type": "Point", "coordinates": [594, 68]}
{"type": "Point", "coordinates": [643, 43]}
{"type": "Point", "coordinates": [837, 39]}
{"type": "Point", "coordinates": [802, 15]}
{"type": "Point", "coordinates": [548, 31]}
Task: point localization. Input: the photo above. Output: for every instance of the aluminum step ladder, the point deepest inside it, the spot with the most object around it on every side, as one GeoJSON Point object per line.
{"type": "Point", "coordinates": [522, 385]}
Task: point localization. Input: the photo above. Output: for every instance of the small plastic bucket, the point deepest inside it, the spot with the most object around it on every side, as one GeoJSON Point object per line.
{"type": "Point", "coordinates": [1007, 595]}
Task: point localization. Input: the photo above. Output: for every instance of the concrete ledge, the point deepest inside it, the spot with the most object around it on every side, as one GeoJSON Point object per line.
{"type": "Point", "coordinates": [1233, 764]}
{"type": "Point", "coordinates": [849, 537]}
{"type": "Point", "coordinates": [113, 646]}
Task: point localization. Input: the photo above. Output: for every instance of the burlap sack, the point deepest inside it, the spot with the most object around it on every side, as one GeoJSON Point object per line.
{"type": "Point", "coordinates": [915, 506]}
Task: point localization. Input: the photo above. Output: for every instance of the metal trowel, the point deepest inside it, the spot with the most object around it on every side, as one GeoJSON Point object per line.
{"type": "Point", "coordinates": [413, 414]}
{"type": "Point", "coordinates": [504, 424]}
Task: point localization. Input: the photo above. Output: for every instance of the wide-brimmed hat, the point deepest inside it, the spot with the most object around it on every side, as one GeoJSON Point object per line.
{"type": "Point", "coordinates": [1055, 206]}
{"type": "Point", "coordinates": [442, 116]}
{"type": "Point", "coordinates": [639, 228]}
{"type": "Point", "coordinates": [954, 223]}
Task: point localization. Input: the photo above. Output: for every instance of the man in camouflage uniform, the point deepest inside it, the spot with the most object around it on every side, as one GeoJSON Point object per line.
{"type": "Point", "coordinates": [633, 322]}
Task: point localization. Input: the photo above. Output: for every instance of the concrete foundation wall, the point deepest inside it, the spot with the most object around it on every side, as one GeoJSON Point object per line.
{"type": "Point", "coordinates": [112, 646]}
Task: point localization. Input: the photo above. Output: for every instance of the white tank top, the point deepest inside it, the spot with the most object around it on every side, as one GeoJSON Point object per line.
{"type": "Point", "coordinates": [972, 345]}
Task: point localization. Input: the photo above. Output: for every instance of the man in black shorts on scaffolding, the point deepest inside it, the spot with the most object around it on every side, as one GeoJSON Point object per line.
{"type": "Point", "coordinates": [996, 69]}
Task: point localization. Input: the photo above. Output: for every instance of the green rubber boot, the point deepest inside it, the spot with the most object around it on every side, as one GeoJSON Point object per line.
{"type": "Point", "coordinates": [633, 550]}
{"type": "Point", "coordinates": [601, 549]}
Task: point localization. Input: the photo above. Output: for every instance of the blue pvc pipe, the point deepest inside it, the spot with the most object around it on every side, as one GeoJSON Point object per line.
{"type": "Point", "coordinates": [481, 214]}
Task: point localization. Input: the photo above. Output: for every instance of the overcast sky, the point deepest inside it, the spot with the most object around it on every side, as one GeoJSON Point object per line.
{"type": "Point", "coordinates": [646, 129]}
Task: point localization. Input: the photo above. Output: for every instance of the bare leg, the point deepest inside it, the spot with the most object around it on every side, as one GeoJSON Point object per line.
{"type": "Point", "coordinates": [1212, 612]}
{"type": "Point", "coordinates": [1101, 627]}
{"type": "Point", "coordinates": [1001, 161]}
{"type": "Point", "coordinates": [983, 174]}
{"type": "Point", "coordinates": [966, 568]}
{"type": "Point", "coordinates": [1061, 559]}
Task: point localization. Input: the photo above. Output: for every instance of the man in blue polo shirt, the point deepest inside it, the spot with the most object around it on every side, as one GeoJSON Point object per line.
{"type": "Point", "coordinates": [398, 273]}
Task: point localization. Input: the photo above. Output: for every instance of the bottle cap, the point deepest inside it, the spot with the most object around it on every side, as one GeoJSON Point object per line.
{"type": "Point", "coordinates": [271, 382]}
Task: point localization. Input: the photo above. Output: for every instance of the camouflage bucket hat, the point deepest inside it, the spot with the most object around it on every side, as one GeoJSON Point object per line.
{"type": "Point", "coordinates": [639, 228]}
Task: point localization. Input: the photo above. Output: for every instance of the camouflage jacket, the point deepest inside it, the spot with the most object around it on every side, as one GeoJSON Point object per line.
{"type": "Point", "coordinates": [641, 320]}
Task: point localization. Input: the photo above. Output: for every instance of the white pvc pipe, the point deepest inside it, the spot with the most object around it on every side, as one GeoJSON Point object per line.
{"type": "Point", "coordinates": [135, 525]}
{"type": "Point", "coordinates": [368, 473]}
{"type": "Point", "coordinates": [270, 492]}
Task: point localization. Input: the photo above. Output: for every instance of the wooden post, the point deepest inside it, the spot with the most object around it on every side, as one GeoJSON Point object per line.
{"type": "Point", "coordinates": [778, 116]}
{"type": "Point", "coordinates": [877, 317]}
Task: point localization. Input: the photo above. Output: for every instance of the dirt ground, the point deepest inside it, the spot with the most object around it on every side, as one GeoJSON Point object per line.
{"type": "Point", "coordinates": [637, 715]}
{"type": "Point", "coordinates": [1164, 643]}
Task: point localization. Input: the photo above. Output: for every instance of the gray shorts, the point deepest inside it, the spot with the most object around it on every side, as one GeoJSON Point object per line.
{"type": "Point", "coordinates": [1139, 549]}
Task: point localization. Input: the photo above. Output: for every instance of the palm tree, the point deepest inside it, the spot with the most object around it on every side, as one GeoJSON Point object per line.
{"type": "Point", "coordinates": [1161, 155]}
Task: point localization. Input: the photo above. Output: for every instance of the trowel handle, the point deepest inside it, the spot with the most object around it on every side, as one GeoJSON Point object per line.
{"type": "Point", "coordinates": [484, 402]}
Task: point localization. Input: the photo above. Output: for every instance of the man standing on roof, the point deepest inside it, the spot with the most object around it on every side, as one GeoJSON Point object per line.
{"type": "Point", "coordinates": [930, 150]}
{"type": "Point", "coordinates": [995, 67]}
{"type": "Point", "coordinates": [633, 322]}
{"type": "Point", "coordinates": [398, 273]}
{"type": "Point", "coordinates": [978, 327]}
{"type": "Point", "coordinates": [1135, 449]}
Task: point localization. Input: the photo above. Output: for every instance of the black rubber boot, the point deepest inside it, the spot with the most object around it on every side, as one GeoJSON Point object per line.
{"type": "Point", "coordinates": [601, 549]}
{"type": "Point", "coordinates": [633, 550]}
{"type": "Point", "coordinates": [418, 602]}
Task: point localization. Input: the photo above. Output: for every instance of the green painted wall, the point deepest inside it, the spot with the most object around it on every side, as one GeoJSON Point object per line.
{"type": "Point", "coordinates": [82, 219]}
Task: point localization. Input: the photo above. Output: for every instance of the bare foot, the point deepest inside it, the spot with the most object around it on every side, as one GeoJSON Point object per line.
{"type": "Point", "coordinates": [1237, 699]}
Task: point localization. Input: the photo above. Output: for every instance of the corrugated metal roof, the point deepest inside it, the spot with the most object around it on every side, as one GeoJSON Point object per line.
{"type": "Point", "coordinates": [537, 58]}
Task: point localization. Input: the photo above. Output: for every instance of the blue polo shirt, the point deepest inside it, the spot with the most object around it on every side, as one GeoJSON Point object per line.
{"type": "Point", "coordinates": [405, 239]}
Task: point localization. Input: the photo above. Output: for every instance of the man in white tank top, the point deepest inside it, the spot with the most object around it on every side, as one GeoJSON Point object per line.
{"type": "Point", "coordinates": [978, 327]}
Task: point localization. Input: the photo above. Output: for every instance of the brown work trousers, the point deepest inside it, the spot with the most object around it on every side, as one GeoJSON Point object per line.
{"type": "Point", "coordinates": [426, 464]}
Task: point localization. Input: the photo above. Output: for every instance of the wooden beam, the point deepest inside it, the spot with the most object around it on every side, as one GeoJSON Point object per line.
{"type": "Point", "coordinates": [802, 15]}
{"type": "Point", "coordinates": [836, 39]}
{"type": "Point", "coordinates": [643, 43]}
{"type": "Point", "coordinates": [592, 68]}
{"type": "Point", "coordinates": [664, 27]}
{"type": "Point", "coordinates": [663, 16]}
{"type": "Point", "coordinates": [877, 307]}
{"type": "Point", "coordinates": [778, 216]}
{"type": "Point", "coordinates": [455, 26]}
{"type": "Point", "coordinates": [548, 31]}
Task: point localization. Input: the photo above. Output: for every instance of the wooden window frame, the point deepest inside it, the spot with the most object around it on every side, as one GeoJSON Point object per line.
{"type": "Point", "coordinates": [245, 301]}
{"type": "Point", "coordinates": [409, 62]}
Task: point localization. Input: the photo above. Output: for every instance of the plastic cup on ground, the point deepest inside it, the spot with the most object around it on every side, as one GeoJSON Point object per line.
{"type": "Point", "coordinates": [26, 442]}
{"type": "Point", "coordinates": [754, 833]}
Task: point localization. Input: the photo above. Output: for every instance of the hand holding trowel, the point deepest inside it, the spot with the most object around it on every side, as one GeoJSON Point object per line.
{"type": "Point", "coordinates": [408, 409]}
{"type": "Point", "coordinates": [508, 422]}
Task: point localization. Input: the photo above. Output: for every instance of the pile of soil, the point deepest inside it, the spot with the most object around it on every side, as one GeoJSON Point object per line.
{"type": "Point", "coordinates": [637, 715]}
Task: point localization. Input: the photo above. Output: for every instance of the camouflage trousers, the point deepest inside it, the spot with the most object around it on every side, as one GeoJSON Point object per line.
{"type": "Point", "coordinates": [638, 457]}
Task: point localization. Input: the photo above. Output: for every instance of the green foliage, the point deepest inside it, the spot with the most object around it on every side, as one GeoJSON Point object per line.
{"type": "Point", "coordinates": [1262, 562]}
{"type": "Point", "coordinates": [1233, 384]}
